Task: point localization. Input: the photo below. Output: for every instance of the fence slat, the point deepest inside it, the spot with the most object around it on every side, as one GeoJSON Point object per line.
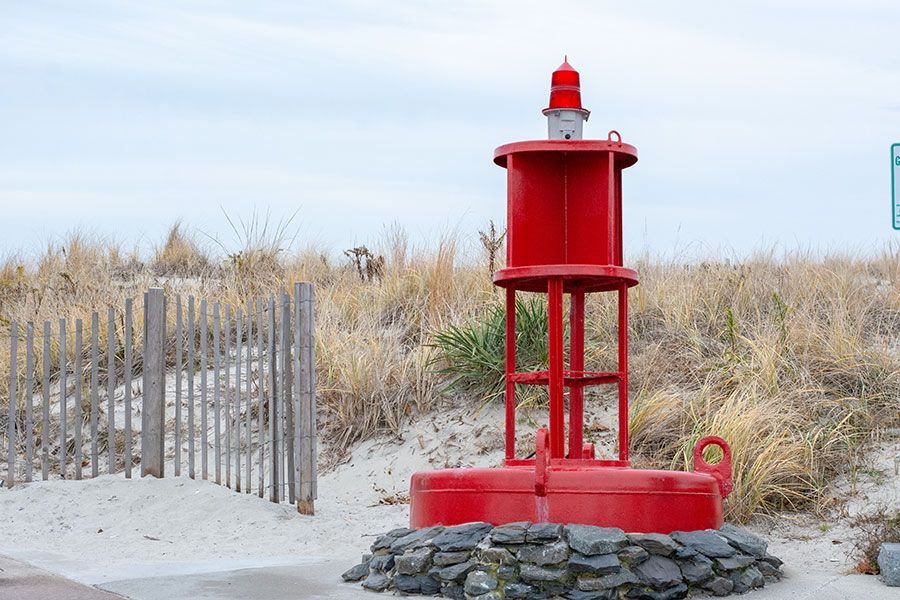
{"type": "Point", "coordinates": [226, 395]}
{"type": "Point", "coordinates": [78, 417]}
{"type": "Point", "coordinates": [260, 400]}
{"type": "Point", "coordinates": [95, 394]}
{"type": "Point", "coordinates": [129, 368]}
{"type": "Point", "coordinates": [216, 393]}
{"type": "Point", "coordinates": [13, 392]}
{"type": "Point", "coordinates": [45, 397]}
{"type": "Point", "coordinates": [204, 421]}
{"type": "Point", "coordinates": [248, 422]}
{"type": "Point", "coordinates": [192, 430]}
{"type": "Point", "coordinates": [179, 343]}
{"type": "Point", "coordinates": [274, 447]}
{"type": "Point", "coordinates": [153, 409]}
{"type": "Point", "coordinates": [63, 412]}
{"type": "Point", "coordinates": [111, 390]}
{"type": "Point", "coordinates": [288, 396]}
{"type": "Point", "coordinates": [238, 328]}
{"type": "Point", "coordinates": [29, 401]}
{"type": "Point", "coordinates": [311, 381]}
{"type": "Point", "coordinates": [307, 459]}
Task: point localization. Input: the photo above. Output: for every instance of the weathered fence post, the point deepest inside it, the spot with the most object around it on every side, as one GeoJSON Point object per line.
{"type": "Point", "coordinates": [153, 410]}
{"type": "Point", "coordinates": [11, 423]}
{"type": "Point", "coordinates": [306, 349]}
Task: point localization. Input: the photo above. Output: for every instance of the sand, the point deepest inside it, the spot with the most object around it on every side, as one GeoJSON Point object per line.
{"type": "Point", "coordinates": [95, 530]}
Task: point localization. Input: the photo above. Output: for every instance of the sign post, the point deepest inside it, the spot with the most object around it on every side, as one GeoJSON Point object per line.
{"type": "Point", "coordinates": [895, 184]}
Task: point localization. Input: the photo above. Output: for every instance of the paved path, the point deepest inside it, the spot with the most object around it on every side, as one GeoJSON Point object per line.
{"type": "Point", "coordinates": [298, 578]}
{"type": "Point", "coordinates": [21, 581]}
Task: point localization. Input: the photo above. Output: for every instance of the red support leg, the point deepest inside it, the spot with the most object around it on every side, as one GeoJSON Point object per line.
{"type": "Point", "coordinates": [623, 372]}
{"type": "Point", "coordinates": [555, 352]}
{"type": "Point", "coordinates": [576, 365]}
{"type": "Point", "coordinates": [510, 368]}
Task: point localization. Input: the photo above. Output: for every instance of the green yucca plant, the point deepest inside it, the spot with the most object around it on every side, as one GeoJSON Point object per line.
{"type": "Point", "coordinates": [471, 357]}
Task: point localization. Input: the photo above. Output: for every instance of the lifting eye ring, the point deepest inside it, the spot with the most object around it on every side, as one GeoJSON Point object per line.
{"type": "Point", "coordinates": [613, 132]}
{"type": "Point", "coordinates": [722, 469]}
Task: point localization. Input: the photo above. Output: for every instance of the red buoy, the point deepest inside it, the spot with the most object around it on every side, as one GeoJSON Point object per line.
{"type": "Point", "coordinates": [564, 236]}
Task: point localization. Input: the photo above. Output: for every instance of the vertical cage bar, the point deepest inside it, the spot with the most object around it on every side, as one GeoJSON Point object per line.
{"type": "Point", "coordinates": [623, 372]}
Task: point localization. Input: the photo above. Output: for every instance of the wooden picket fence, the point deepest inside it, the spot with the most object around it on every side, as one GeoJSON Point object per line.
{"type": "Point", "coordinates": [227, 395]}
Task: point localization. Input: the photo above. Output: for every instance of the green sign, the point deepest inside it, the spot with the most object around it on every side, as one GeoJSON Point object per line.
{"type": "Point", "coordinates": [895, 184]}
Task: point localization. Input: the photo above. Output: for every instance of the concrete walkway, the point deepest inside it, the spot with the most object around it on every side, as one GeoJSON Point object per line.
{"type": "Point", "coordinates": [296, 578]}
{"type": "Point", "coordinates": [21, 581]}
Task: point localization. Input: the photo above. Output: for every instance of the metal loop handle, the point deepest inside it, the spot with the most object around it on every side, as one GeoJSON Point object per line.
{"type": "Point", "coordinates": [609, 137]}
{"type": "Point", "coordinates": [721, 470]}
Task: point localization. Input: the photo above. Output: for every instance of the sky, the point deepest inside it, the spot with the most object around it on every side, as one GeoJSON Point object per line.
{"type": "Point", "coordinates": [758, 124]}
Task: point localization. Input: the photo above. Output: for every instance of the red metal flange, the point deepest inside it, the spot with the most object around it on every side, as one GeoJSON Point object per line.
{"type": "Point", "coordinates": [722, 469]}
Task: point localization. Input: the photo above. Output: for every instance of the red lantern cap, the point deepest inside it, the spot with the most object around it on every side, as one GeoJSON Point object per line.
{"type": "Point", "coordinates": [565, 87]}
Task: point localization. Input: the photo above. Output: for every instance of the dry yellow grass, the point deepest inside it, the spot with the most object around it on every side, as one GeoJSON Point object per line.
{"type": "Point", "coordinates": [792, 359]}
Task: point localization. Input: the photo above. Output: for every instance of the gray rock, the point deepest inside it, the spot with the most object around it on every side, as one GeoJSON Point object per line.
{"type": "Point", "coordinates": [479, 582]}
{"type": "Point", "coordinates": [377, 582]}
{"type": "Point", "coordinates": [415, 539]}
{"type": "Point", "coordinates": [889, 564]}
{"type": "Point", "coordinates": [414, 561]}
{"type": "Point", "coordinates": [497, 556]}
{"type": "Point", "coordinates": [633, 555]}
{"type": "Point", "coordinates": [461, 537]}
{"type": "Point", "coordinates": [747, 580]}
{"type": "Point", "coordinates": [356, 573]}
{"type": "Point", "coordinates": [443, 559]}
{"type": "Point", "coordinates": [598, 595]}
{"type": "Point", "coordinates": [696, 569]}
{"type": "Point", "coordinates": [719, 586]}
{"type": "Point", "coordinates": [654, 543]}
{"type": "Point", "coordinates": [659, 572]}
{"type": "Point", "coordinates": [383, 542]}
{"type": "Point", "coordinates": [685, 552]}
{"type": "Point", "coordinates": [738, 561]}
{"type": "Point", "coordinates": [672, 593]}
{"type": "Point", "coordinates": [382, 562]}
{"type": "Point", "coordinates": [593, 584]}
{"type": "Point", "coordinates": [517, 589]}
{"type": "Point", "coordinates": [768, 571]}
{"type": "Point", "coordinates": [489, 596]}
{"type": "Point", "coordinates": [456, 572]}
{"type": "Point", "coordinates": [507, 572]}
{"type": "Point", "coordinates": [412, 584]}
{"type": "Point", "coordinates": [543, 532]}
{"type": "Point", "coordinates": [744, 541]}
{"type": "Point", "coordinates": [534, 573]}
{"type": "Point", "coordinates": [544, 554]}
{"type": "Point", "coordinates": [772, 560]}
{"type": "Point", "coordinates": [599, 564]}
{"type": "Point", "coordinates": [454, 592]}
{"type": "Point", "coordinates": [707, 542]}
{"type": "Point", "coordinates": [588, 539]}
{"type": "Point", "coordinates": [511, 533]}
